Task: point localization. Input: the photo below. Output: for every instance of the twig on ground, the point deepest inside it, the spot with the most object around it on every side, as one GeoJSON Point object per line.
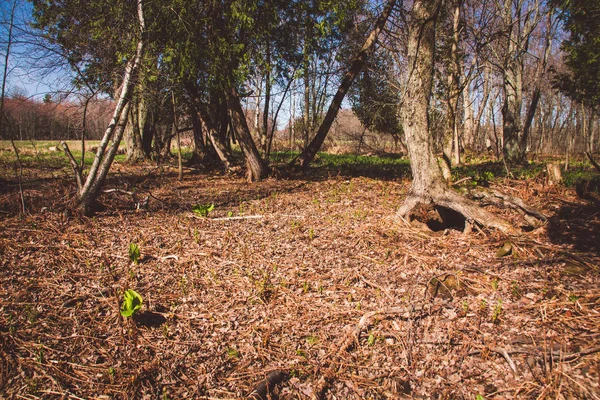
{"type": "Point", "coordinates": [465, 179]}
{"type": "Point", "coordinates": [352, 335]}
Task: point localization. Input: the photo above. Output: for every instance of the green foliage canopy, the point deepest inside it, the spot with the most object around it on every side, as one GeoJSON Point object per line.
{"type": "Point", "coordinates": [582, 48]}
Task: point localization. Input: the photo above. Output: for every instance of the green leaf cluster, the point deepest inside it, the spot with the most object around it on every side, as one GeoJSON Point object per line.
{"type": "Point", "coordinates": [582, 50]}
{"type": "Point", "coordinates": [203, 209]}
{"type": "Point", "coordinates": [132, 302]}
{"type": "Point", "coordinates": [134, 253]}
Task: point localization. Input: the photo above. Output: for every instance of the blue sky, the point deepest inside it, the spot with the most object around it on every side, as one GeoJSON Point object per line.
{"type": "Point", "coordinates": [27, 74]}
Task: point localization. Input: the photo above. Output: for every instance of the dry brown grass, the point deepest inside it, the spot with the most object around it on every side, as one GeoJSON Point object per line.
{"type": "Point", "coordinates": [228, 301]}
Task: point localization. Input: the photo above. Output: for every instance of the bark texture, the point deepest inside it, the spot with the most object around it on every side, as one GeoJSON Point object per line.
{"type": "Point", "coordinates": [428, 185]}
{"type": "Point", "coordinates": [257, 169]}
{"type": "Point", "coordinates": [88, 194]}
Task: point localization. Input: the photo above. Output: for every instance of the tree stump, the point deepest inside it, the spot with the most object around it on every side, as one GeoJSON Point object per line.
{"type": "Point", "coordinates": [554, 174]}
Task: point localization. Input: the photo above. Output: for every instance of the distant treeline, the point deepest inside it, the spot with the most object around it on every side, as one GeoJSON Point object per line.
{"type": "Point", "coordinates": [29, 119]}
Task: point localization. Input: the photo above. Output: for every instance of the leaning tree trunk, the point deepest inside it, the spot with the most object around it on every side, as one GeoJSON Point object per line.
{"type": "Point", "coordinates": [257, 168]}
{"type": "Point", "coordinates": [309, 153]}
{"type": "Point", "coordinates": [88, 194]}
{"type": "Point", "coordinates": [428, 185]}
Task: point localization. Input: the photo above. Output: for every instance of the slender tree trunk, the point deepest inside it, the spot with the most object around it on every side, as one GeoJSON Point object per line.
{"type": "Point", "coordinates": [428, 185]}
{"type": "Point", "coordinates": [453, 79]}
{"type": "Point", "coordinates": [309, 153]}
{"type": "Point", "coordinates": [89, 192]}
{"type": "Point", "coordinates": [178, 138]}
{"type": "Point", "coordinates": [257, 169]}
{"type": "Point", "coordinates": [264, 134]}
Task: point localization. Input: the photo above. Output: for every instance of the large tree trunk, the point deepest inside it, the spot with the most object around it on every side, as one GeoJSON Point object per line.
{"type": "Point", "coordinates": [133, 136]}
{"type": "Point", "coordinates": [428, 185]}
{"type": "Point", "coordinates": [257, 169]}
{"type": "Point", "coordinates": [216, 126]}
{"type": "Point", "coordinates": [512, 126]}
{"type": "Point", "coordinates": [309, 153]}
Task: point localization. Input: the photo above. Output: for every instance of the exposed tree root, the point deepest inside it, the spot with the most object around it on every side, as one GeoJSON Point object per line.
{"type": "Point", "coordinates": [451, 200]}
{"type": "Point", "coordinates": [493, 197]}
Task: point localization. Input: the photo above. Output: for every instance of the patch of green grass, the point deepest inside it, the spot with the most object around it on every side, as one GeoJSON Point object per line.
{"type": "Point", "coordinates": [577, 176]}
{"type": "Point", "coordinates": [48, 153]}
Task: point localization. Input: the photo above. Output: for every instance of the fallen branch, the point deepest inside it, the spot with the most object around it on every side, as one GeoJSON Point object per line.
{"type": "Point", "coordinates": [458, 182]}
{"type": "Point", "coordinates": [232, 218]}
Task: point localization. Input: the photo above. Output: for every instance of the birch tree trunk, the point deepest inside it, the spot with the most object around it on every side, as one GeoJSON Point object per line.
{"type": "Point", "coordinates": [87, 196]}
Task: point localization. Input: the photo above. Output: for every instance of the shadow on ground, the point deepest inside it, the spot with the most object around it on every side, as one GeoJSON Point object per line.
{"type": "Point", "coordinates": [577, 226]}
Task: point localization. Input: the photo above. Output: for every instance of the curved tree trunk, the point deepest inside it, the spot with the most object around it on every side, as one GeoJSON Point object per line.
{"type": "Point", "coordinates": [428, 185]}
{"type": "Point", "coordinates": [257, 168]}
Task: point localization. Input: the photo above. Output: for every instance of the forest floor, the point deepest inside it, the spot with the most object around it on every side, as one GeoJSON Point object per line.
{"type": "Point", "coordinates": [307, 275]}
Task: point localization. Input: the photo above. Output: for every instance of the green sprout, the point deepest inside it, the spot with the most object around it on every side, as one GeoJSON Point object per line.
{"type": "Point", "coordinates": [497, 311]}
{"type": "Point", "coordinates": [134, 253]}
{"type": "Point", "coordinates": [132, 302]}
{"type": "Point", "coordinates": [203, 209]}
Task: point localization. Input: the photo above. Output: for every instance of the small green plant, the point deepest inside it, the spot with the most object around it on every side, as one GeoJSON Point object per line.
{"type": "Point", "coordinates": [301, 353]}
{"type": "Point", "coordinates": [311, 340]}
{"type": "Point", "coordinates": [305, 287]}
{"type": "Point", "coordinates": [497, 311]}
{"type": "Point", "coordinates": [311, 233]}
{"type": "Point", "coordinates": [111, 374]}
{"type": "Point", "coordinates": [31, 313]}
{"type": "Point", "coordinates": [483, 305]}
{"type": "Point", "coordinates": [515, 291]}
{"type": "Point", "coordinates": [229, 214]}
{"type": "Point", "coordinates": [232, 352]}
{"type": "Point", "coordinates": [183, 283]}
{"type": "Point", "coordinates": [134, 253]}
{"type": "Point", "coordinates": [465, 306]}
{"type": "Point", "coordinates": [371, 340]}
{"type": "Point", "coordinates": [203, 209]}
{"type": "Point", "coordinates": [132, 302]}
{"type": "Point", "coordinates": [573, 298]}
{"type": "Point", "coordinates": [39, 355]}
{"type": "Point", "coordinates": [495, 284]}
{"type": "Point", "coordinates": [479, 397]}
